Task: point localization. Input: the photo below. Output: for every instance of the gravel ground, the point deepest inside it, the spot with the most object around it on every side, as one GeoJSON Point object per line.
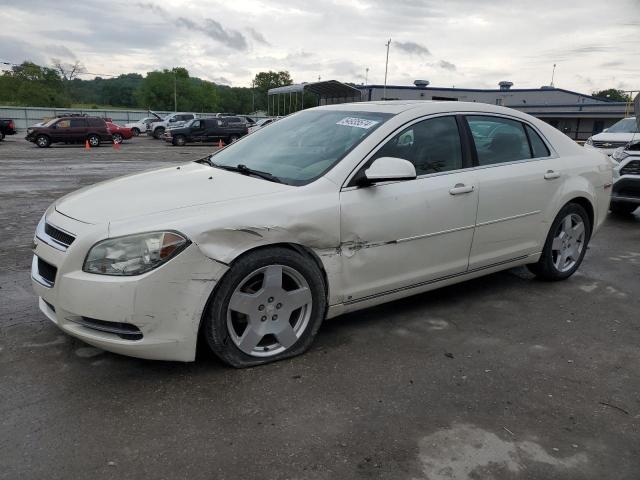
{"type": "Point", "coordinates": [499, 377]}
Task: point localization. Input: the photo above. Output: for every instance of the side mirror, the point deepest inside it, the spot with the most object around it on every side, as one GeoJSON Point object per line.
{"type": "Point", "coordinates": [606, 129]}
{"type": "Point", "coordinates": [385, 169]}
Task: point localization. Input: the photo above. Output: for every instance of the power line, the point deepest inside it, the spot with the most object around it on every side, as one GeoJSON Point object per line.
{"type": "Point", "coordinates": [11, 64]}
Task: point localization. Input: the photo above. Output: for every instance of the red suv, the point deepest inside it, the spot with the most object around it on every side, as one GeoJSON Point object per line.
{"type": "Point", "coordinates": [71, 129]}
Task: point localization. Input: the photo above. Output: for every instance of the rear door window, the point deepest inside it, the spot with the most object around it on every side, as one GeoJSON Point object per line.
{"type": "Point", "coordinates": [78, 123]}
{"type": "Point", "coordinates": [498, 139]}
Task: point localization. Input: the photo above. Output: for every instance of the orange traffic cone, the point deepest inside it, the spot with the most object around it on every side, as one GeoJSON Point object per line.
{"type": "Point", "coordinates": [86, 145]}
{"type": "Point", "coordinates": [220, 144]}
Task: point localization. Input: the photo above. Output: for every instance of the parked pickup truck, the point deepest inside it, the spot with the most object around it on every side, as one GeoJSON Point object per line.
{"type": "Point", "coordinates": [7, 127]}
{"type": "Point", "coordinates": [203, 130]}
{"type": "Point", "coordinates": [172, 120]}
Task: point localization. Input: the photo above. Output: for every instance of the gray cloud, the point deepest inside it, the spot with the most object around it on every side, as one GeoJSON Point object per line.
{"type": "Point", "coordinates": [257, 36]}
{"type": "Point", "coordinates": [214, 30]}
{"type": "Point", "coordinates": [447, 65]}
{"type": "Point", "coordinates": [412, 48]}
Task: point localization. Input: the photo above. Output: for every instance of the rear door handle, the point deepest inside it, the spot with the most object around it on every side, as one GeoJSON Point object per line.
{"type": "Point", "coordinates": [550, 175]}
{"type": "Point", "coordinates": [461, 188]}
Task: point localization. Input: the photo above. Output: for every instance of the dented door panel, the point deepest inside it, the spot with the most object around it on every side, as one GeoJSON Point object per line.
{"type": "Point", "coordinates": [399, 234]}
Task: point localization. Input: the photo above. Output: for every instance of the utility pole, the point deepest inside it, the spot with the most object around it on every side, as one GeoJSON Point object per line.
{"type": "Point", "coordinates": [553, 73]}
{"type": "Point", "coordinates": [175, 91]}
{"type": "Point", "coordinates": [253, 95]}
{"type": "Point", "coordinates": [386, 67]}
{"type": "Point", "coordinates": [366, 75]}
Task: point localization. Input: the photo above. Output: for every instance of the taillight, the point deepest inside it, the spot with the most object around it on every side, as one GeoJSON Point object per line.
{"type": "Point", "coordinates": [12, 125]}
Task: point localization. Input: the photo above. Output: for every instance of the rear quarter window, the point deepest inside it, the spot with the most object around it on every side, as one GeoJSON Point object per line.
{"type": "Point", "coordinates": [538, 147]}
{"type": "Point", "coordinates": [95, 122]}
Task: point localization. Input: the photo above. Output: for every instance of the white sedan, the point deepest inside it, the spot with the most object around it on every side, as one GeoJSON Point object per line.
{"type": "Point", "coordinates": [327, 211]}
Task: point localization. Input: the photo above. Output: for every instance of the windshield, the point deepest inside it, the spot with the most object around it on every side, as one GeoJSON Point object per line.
{"type": "Point", "coordinates": [50, 122]}
{"type": "Point", "coordinates": [626, 125]}
{"type": "Point", "coordinates": [301, 147]}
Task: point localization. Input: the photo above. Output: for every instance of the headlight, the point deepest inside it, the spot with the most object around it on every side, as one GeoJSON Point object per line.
{"type": "Point", "coordinates": [589, 141]}
{"type": "Point", "coordinates": [133, 254]}
{"type": "Point", "coordinates": [619, 154]}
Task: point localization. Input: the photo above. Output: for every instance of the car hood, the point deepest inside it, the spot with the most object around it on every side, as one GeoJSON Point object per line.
{"type": "Point", "coordinates": [156, 191]}
{"type": "Point", "coordinates": [614, 137]}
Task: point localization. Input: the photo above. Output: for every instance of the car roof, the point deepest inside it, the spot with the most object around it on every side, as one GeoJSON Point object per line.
{"type": "Point", "coordinates": [424, 107]}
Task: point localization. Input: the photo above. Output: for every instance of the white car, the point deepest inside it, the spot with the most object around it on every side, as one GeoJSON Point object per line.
{"type": "Point", "coordinates": [327, 211]}
{"type": "Point", "coordinates": [616, 136]}
{"type": "Point", "coordinates": [625, 194]}
{"type": "Point", "coordinates": [141, 125]}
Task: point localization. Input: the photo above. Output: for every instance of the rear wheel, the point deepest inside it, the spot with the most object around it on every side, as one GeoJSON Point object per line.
{"type": "Point", "coordinates": [135, 131]}
{"type": "Point", "coordinates": [565, 246]}
{"type": "Point", "coordinates": [43, 141]}
{"type": "Point", "coordinates": [179, 140]}
{"type": "Point", "coordinates": [158, 132]}
{"type": "Point", "coordinates": [117, 138]}
{"type": "Point", "coordinates": [620, 208]}
{"type": "Point", "coordinates": [269, 306]}
{"type": "Point", "coordinates": [94, 140]}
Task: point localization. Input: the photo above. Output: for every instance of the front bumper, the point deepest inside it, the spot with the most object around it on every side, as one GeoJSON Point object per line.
{"type": "Point", "coordinates": [626, 189]}
{"type": "Point", "coordinates": [162, 307]}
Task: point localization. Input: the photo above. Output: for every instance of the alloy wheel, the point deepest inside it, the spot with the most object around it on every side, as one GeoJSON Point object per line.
{"type": "Point", "coordinates": [269, 310]}
{"type": "Point", "coordinates": [568, 242]}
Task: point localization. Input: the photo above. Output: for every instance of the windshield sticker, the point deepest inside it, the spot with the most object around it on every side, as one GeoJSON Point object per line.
{"type": "Point", "coordinates": [357, 122]}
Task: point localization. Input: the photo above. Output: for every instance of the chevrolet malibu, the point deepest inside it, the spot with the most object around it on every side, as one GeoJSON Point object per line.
{"type": "Point", "coordinates": [327, 211]}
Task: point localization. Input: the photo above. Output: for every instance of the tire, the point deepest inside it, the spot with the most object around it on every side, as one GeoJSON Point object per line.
{"type": "Point", "coordinates": [620, 208]}
{"type": "Point", "coordinates": [179, 141]}
{"type": "Point", "coordinates": [158, 132]}
{"type": "Point", "coordinates": [233, 138]}
{"type": "Point", "coordinates": [117, 138]}
{"type": "Point", "coordinates": [43, 141]}
{"type": "Point", "coordinates": [94, 140]}
{"type": "Point", "coordinates": [565, 246]}
{"type": "Point", "coordinates": [277, 327]}
{"type": "Point", "coordinates": [1, 136]}
{"type": "Point", "coordinates": [135, 131]}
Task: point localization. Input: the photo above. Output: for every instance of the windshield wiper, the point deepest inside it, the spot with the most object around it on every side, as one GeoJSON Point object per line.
{"type": "Point", "coordinates": [243, 169]}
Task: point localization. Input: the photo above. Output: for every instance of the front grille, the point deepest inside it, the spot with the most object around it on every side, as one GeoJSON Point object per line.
{"type": "Point", "coordinates": [126, 331]}
{"type": "Point", "coordinates": [631, 168]}
{"type": "Point", "coordinates": [47, 271]}
{"type": "Point", "coordinates": [606, 144]}
{"type": "Point", "coordinates": [58, 235]}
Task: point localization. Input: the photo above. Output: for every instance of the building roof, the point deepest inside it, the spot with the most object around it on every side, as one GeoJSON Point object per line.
{"type": "Point", "coordinates": [325, 89]}
{"type": "Point", "coordinates": [485, 90]}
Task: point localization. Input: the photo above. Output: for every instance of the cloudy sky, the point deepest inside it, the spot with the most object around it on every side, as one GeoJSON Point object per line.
{"type": "Point", "coordinates": [471, 43]}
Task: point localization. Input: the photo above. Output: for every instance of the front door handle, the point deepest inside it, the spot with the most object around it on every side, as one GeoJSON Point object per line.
{"type": "Point", "coordinates": [550, 175]}
{"type": "Point", "coordinates": [461, 188]}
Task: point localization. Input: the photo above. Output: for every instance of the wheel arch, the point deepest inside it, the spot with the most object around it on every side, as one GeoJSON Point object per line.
{"type": "Point", "coordinates": [585, 203]}
{"type": "Point", "coordinates": [295, 247]}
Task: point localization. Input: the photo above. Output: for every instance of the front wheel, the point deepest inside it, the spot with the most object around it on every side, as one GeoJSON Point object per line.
{"type": "Point", "coordinates": [179, 140]}
{"type": "Point", "coordinates": [43, 141]}
{"type": "Point", "coordinates": [94, 140]}
{"type": "Point", "coordinates": [233, 138]}
{"type": "Point", "coordinates": [135, 131]}
{"type": "Point", "coordinates": [268, 306]}
{"type": "Point", "coordinates": [619, 208]}
{"type": "Point", "coordinates": [117, 138]}
{"type": "Point", "coordinates": [158, 132]}
{"type": "Point", "coordinates": [565, 246]}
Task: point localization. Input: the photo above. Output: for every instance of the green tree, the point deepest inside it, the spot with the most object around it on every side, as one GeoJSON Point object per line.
{"type": "Point", "coordinates": [263, 81]}
{"type": "Point", "coordinates": [33, 85]}
{"type": "Point", "coordinates": [612, 95]}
